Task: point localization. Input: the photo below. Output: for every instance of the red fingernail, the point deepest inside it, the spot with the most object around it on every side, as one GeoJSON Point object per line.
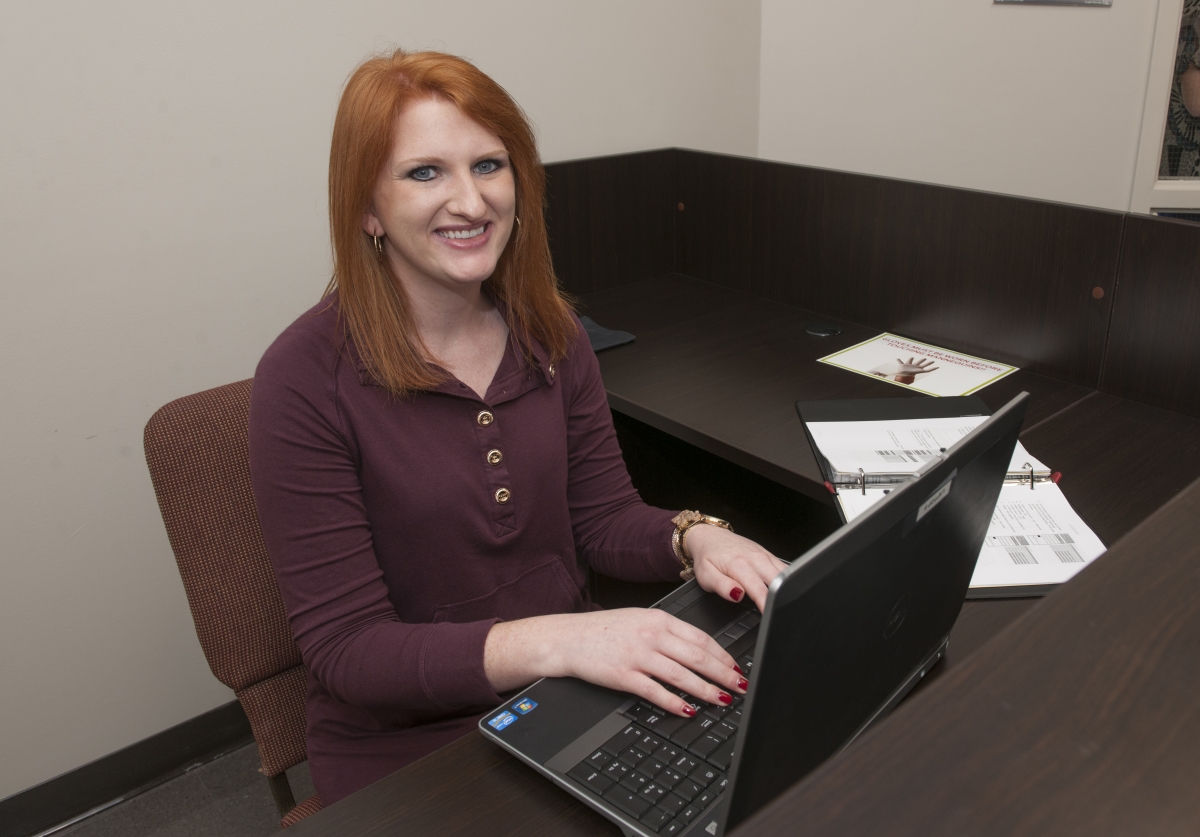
{"type": "Point", "coordinates": [689, 710]}
{"type": "Point", "coordinates": [738, 669]}
{"type": "Point", "coordinates": [725, 698]}
{"type": "Point", "coordinates": [743, 683]}
{"type": "Point", "coordinates": [736, 594]}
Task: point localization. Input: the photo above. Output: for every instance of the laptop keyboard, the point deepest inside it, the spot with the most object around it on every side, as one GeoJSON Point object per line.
{"type": "Point", "coordinates": [664, 770]}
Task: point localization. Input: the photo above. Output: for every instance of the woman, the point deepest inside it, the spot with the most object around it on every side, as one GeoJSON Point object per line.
{"type": "Point", "coordinates": [431, 448]}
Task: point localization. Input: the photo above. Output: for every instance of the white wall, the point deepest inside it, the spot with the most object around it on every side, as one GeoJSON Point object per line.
{"type": "Point", "coordinates": [1038, 101]}
{"type": "Point", "coordinates": [162, 218]}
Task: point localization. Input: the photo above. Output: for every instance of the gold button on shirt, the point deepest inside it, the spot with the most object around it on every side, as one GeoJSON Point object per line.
{"type": "Point", "coordinates": [494, 457]}
{"type": "Point", "coordinates": [484, 418]}
{"type": "Point", "coordinates": [503, 495]}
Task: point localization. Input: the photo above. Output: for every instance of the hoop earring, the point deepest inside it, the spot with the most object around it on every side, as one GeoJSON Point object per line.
{"type": "Point", "coordinates": [378, 246]}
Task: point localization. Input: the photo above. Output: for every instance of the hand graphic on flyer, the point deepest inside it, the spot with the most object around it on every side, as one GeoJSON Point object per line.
{"type": "Point", "coordinates": [902, 372]}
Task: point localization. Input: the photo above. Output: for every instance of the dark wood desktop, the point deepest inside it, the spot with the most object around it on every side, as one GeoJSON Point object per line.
{"type": "Point", "coordinates": [1048, 714]}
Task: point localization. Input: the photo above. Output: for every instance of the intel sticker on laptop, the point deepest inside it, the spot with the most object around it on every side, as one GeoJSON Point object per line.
{"type": "Point", "coordinates": [525, 706]}
{"type": "Point", "coordinates": [502, 720]}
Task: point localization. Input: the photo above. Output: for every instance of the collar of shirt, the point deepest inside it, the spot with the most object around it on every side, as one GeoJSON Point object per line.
{"type": "Point", "coordinates": [514, 377]}
{"type": "Point", "coordinates": [516, 374]}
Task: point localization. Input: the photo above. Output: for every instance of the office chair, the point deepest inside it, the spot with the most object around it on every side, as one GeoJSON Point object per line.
{"type": "Point", "coordinates": [198, 456]}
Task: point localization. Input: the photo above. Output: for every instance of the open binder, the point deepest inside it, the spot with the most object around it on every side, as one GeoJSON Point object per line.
{"type": "Point", "coordinates": [1025, 469]}
{"type": "Point", "coordinates": [1035, 541]}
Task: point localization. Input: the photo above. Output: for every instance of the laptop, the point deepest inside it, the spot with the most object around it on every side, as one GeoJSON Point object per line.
{"type": "Point", "coordinates": [847, 630]}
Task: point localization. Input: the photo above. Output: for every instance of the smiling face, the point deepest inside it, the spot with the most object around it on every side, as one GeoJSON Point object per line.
{"type": "Point", "coordinates": [445, 201]}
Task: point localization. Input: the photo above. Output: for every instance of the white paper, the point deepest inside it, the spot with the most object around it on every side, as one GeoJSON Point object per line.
{"type": "Point", "coordinates": [899, 447]}
{"type": "Point", "coordinates": [855, 501]}
{"type": "Point", "coordinates": [919, 366]}
{"type": "Point", "coordinates": [1035, 537]}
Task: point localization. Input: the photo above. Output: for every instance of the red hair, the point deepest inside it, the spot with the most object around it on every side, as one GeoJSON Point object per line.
{"type": "Point", "coordinates": [373, 307]}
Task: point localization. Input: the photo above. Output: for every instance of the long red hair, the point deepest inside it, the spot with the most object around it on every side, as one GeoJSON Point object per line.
{"type": "Point", "coordinates": [373, 307]}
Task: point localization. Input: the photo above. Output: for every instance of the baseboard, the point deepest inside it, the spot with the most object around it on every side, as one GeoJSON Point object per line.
{"type": "Point", "coordinates": [125, 772]}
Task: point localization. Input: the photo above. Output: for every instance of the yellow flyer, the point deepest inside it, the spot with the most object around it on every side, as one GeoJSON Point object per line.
{"type": "Point", "coordinates": [920, 366]}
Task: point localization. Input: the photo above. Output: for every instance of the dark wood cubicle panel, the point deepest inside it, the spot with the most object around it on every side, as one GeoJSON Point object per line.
{"type": "Point", "coordinates": [611, 219]}
{"type": "Point", "coordinates": [1008, 278]}
{"type": "Point", "coordinates": [1096, 298]}
{"type": "Point", "coordinates": [1154, 346]}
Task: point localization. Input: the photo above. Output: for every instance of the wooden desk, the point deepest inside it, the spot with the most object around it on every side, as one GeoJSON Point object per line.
{"type": "Point", "coordinates": [1081, 718]}
{"type": "Point", "coordinates": [721, 369]}
{"type": "Point", "coordinates": [472, 788]}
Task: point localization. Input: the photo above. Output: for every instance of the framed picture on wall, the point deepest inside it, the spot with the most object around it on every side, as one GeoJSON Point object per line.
{"type": "Point", "coordinates": [1058, 2]}
{"type": "Point", "coordinates": [1167, 174]}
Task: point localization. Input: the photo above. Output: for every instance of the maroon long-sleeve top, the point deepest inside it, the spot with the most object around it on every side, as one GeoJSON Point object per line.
{"type": "Point", "coordinates": [402, 529]}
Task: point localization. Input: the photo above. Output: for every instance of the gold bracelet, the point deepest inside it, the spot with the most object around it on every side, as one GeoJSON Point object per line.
{"type": "Point", "coordinates": [686, 520]}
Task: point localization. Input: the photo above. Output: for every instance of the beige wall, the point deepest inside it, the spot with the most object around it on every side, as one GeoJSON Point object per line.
{"type": "Point", "coordinates": [162, 218]}
{"type": "Point", "coordinates": [1038, 101]}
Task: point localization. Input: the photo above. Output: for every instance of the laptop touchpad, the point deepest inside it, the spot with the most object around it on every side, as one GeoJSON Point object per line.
{"type": "Point", "coordinates": [710, 613]}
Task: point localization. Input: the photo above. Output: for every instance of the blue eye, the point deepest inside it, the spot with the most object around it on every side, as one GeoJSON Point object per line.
{"type": "Point", "coordinates": [423, 173]}
{"type": "Point", "coordinates": [487, 166]}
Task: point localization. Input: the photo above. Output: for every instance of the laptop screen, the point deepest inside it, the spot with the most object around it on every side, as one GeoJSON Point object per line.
{"type": "Point", "coordinates": [854, 619]}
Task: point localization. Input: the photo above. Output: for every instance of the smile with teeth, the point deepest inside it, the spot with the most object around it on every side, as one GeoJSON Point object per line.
{"type": "Point", "coordinates": [462, 233]}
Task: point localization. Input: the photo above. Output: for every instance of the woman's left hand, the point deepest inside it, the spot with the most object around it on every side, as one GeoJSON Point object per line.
{"type": "Point", "coordinates": [730, 565]}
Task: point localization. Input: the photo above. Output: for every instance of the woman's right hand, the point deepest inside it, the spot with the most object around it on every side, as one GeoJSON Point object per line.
{"type": "Point", "coordinates": [643, 652]}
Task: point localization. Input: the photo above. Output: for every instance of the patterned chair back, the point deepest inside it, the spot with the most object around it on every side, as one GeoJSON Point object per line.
{"type": "Point", "coordinates": [198, 455]}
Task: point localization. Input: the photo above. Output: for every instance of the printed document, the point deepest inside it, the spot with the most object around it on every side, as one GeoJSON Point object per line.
{"type": "Point", "coordinates": [1035, 537]}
